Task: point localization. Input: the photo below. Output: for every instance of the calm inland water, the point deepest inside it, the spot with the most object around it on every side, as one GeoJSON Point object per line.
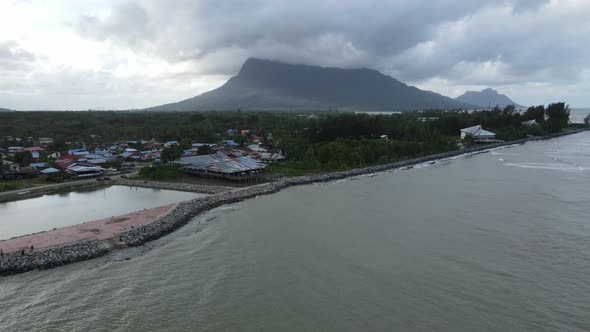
{"type": "Point", "coordinates": [60, 210]}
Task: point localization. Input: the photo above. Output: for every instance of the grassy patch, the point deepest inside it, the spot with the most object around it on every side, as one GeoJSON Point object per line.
{"type": "Point", "coordinates": [162, 172]}
{"type": "Point", "coordinates": [7, 185]}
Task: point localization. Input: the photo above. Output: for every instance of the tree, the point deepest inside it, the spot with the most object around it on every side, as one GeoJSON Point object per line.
{"type": "Point", "coordinates": [23, 158]}
{"type": "Point", "coordinates": [186, 143]}
{"type": "Point", "coordinates": [171, 153]}
{"type": "Point", "coordinates": [205, 149]}
{"type": "Point", "coordinates": [509, 110]}
{"type": "Point", "coordinates": [536, 113]}
{"type": "Point", "coordinates": [558, 115]}
{"type": "Point", "coordinates": [587, 120]}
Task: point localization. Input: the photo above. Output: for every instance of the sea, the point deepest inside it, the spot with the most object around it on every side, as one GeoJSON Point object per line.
{"type": "Point", "coordinates": [498, 241]}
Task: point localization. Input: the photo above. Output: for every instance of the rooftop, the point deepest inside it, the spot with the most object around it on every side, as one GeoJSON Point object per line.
{"type": "Point", "coordinates": [477, 131]}
{"type": "Point", "coordinates": [220, 163]}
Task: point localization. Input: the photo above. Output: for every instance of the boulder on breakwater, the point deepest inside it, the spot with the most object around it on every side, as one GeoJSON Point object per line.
{"type": "Point", "coordinates": [27, 260]}
{"type": "Point", "coordinates": [196, 188]}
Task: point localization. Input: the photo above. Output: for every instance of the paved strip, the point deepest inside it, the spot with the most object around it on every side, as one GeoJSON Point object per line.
{"type": "Point", "coordinates": [99, 230]}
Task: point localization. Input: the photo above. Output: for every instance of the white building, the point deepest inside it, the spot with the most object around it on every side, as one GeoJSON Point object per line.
{"type": "Point", "coordinates": [84, 171]}
{"type": "Point", "coordinates": [45, 140]}
{"type": "Point", "coordinates": [529, 123]}
{"type": "Point", "coordinates": [478, 134]}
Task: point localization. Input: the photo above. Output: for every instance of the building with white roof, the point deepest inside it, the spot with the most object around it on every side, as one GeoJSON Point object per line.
{"type": "Point", "coordinates": [478, 134]}
{"type": "Point", "coordinates": [530, 123]}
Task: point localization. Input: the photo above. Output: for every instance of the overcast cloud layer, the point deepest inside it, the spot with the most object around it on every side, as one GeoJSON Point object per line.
{"type": "Point", "coordinates": [135, 54]}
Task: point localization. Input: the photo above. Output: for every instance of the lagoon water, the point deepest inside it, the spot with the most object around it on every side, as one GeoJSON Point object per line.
{"type": "Point", "coordinates": [498, 241]}
{"type": "Point", "coordinates": [54, 211]}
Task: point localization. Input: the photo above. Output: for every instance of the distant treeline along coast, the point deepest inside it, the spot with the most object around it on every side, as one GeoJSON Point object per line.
{"type": "Point", "coordinates": [311, 141]}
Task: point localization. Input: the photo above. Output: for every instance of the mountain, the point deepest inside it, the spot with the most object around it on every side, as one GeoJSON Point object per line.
{"type": "Point", "coordinates": [487, 98]}
{"type": "Point", "coordinates": [5, 110]}
{"type": "Point", "coordinates": [265, 84]}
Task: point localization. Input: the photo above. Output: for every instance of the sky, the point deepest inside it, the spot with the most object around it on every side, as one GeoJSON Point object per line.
{"type": "Point", "coordinates": [125, 54]}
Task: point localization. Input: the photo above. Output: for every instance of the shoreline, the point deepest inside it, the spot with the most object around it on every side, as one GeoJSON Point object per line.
{"type": "Point", "coordinates": [92, 184]}
{"type": "Point", "coordinates": [183, 212]}
{"type": "Point", "coordinates": [58, 188]}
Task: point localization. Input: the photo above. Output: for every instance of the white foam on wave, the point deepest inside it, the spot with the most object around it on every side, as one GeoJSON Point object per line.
{"type": "Point", "coordinates": [555, 167]}
{"type": "Point", "coordinates": [496, 153]}
{"type": "Point", "coordinates": [343, 180]}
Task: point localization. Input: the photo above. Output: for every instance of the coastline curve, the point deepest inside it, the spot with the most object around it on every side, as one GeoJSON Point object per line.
{"type": "Point", "coordinates": [183, 212]}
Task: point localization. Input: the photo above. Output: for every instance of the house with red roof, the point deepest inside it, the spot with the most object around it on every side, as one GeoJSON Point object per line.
{"type": "Point", "coordinates": [35, 151]}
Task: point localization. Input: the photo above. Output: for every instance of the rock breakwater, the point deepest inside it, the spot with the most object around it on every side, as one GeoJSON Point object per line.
{"type": "Point", "coordinates": [27, 260]}
{"type": "Point", "coordinates": [196, 188]}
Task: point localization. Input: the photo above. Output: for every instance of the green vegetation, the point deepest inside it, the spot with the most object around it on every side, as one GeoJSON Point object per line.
{"type": "Point", "coordinates": [8, 185]}
{"type": "Point", "coordinates": [162, 172]}
{"type": "Point", "coordinates": [332, 141]}
{"type": "Point", "coordinates": [171, 153]}
{"type": "Point", "coordinates": [22, 158]}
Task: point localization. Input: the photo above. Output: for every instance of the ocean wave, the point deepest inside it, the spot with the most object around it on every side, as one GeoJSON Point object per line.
{"type": "Point", "coordinates": [556, 167]}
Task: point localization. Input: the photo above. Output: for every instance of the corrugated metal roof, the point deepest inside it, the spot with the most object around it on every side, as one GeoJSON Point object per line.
{"type": "Point", "coordinates": [220, 163]}
{"type": "Point", "coordinates": [477, 131]}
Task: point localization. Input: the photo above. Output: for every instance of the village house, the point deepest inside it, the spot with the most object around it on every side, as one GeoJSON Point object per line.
{"type": "Point", "coordinates": [12, 170]}
{"type": "Point", "coordinates": [529, 123]}
{"type": "Point", "coordinates": [154, 146]}
{"type": "Point", "coordinates": [49, 171]}
{"type": "Point", "coordinates": [45, 140]}
{"type": "Point", "coordinates": [478, 134]}
{"type": "Point", "coordinates": [15, 149]}
{"type": "Point", "coordinates": [35, 151]}
{"type": "Point", "coordinates": [267, 156]}
{"type": "Point", "coordinates": [256, 148]}
{"type": "Point", "coordinates": [171, 143]}
{"type": "Point", "coordinates": [230, 143]}
{"type": "Point", "coordinates": [38, 165]}
{"type": "Point", "coordinates": [78, 152]}
{"type": "Point", "coordinates": [54, 156]}
{"type": "Point", "coordinates": [272, 156]}
{"type": "Point", "coordinates": [124, 155]}
{"type": "Point", "coordinates": [102, 148]}
{"type": "Point", "coordinates": [81, 171]}
{"type": "Point", "coordinates": [198, 145]}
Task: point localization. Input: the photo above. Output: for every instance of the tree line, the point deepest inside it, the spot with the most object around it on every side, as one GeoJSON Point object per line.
{"type": "Point", "coordinates": [333, 140]}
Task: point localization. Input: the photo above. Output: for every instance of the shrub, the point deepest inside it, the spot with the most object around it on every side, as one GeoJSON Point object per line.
{"type": "Point", "coordinates": [161, 172]}
{"type": "Point", "coordinates": [8, 187]}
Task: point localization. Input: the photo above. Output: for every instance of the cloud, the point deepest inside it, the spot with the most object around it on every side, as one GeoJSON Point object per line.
{"type": "Point", "coordinates": [414, 40]}
{"type": "Point", "coordinates": [446, 45]}
{"type": "Point", "coordinates": [128, 23]}
{"type": "Point", "coordinates": [13, 57]}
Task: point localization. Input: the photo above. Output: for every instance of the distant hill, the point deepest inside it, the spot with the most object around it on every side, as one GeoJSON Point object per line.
{"type": "Point", "coordinates": [5, 110]}
{"type": "Point", "coordinates": [264, 84]}
{"type": "Point", "coordinates": [487, 98]}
